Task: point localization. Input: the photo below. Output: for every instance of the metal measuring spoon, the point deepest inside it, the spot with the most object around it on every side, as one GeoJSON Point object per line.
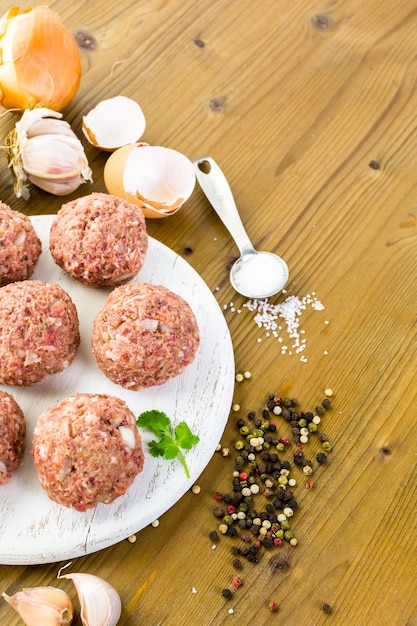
{"type": "Point", "coordinates": [255, 274]}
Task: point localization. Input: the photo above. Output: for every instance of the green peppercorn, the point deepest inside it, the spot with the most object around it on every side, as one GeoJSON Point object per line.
{"type": "Point", "coordinates": [326, 446]}
{"type": "Point", "coordinates": [228, 520]}
{"type": "Point", "coordinates": [312, 427]}
{"type": "Point", "coordinates": [244, 431]}
{"type": "Point", "coordinates": [239, 444]}
{"type": "Point", "coordinates": [288, 535]}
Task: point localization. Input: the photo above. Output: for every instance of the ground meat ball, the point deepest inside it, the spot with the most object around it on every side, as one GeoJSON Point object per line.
{"type": "Point", "coordinates": [39, 331]}
{"type": "Point", "coordinates": [144, 335]}
{"type": "Point", "coordinates": [87, 449]}
{"type": "Point", "coordinates": [12, 436]}
{"type": "Point", "coordinates": [20, 246]}
{"type": "Point", "coordinates": [100, 240]}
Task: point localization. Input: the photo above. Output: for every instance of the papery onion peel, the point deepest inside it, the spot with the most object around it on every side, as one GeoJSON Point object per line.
{"type": "Point", "coordinates": [40, 63]}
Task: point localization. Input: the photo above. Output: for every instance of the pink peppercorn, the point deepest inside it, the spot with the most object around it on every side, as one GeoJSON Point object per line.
{"type": "Point", "coordinates": [273, 605]}
{"type": "Point", "coordinates": [231, 509]}
{"type": "Point", "coordinates": [277, 541]}
{"type": "Point", "coordinates": [284, 440]}
{"type": "Point", "coordinates": [218, 496]}
{"type": "Point", "coordinates": [237, 581]}
{"type": "Point", "coordinates": [243, 476]}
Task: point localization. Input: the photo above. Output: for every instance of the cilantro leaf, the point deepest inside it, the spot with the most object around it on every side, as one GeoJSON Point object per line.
{"type": "Point", "coordinates": [166, 447]}
{"type": "Point", "coordinates": [184, 436]}
{"type": "Point", "coordinates": [170, 440]}
{"type": "Point", "coordinates": [157, 421]}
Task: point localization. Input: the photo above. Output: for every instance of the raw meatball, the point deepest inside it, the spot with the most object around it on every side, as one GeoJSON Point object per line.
{"type": "Point", "coordinates": [39, 331]}
{"type": "Point", "coordinates": [100, 240]}
{"type": "Point", "coordinates": [20, 246]}
{"type": "Point", "coordinates": [12, 436]}
{"type": "Point", "coordinates": [144, 335]}
{"type": "Point", "coordinates": [87, 449]}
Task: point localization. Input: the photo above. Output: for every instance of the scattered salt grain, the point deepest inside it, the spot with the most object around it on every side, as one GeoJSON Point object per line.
{"type": "Point", "coordinates": [268, 316]}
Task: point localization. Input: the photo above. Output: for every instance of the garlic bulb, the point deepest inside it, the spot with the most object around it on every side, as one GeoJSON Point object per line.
{"type": "Point", "coordinates": [42, 606]}
{"type": "Point", "coordinates": [100, 602]}
{"type": "Point", "coordinates": [42, 149]}
{"type": "Point", "coordinates": [40, 63]}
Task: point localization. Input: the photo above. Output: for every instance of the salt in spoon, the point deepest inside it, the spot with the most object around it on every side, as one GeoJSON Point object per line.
{"type": "Point", "coordinates": [255, 274]}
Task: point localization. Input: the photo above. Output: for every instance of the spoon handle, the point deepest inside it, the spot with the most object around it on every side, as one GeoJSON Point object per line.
{"type": "Point", "coordinates": [217, 190]}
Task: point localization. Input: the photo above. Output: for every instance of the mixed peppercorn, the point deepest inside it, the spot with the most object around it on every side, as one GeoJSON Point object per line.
{"type": "Point", "coordinates": [259, 508]}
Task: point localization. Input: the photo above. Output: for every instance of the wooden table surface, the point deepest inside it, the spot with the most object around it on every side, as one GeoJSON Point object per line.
{"type": "Point", "coordinates": [310, 110]}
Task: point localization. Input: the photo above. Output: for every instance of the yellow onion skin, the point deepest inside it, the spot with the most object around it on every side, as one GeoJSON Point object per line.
{"type": "Point", "coordinates": [40, 60]}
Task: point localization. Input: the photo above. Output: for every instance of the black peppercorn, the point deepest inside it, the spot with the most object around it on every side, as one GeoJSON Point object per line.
{"type": "Point", "coordinates": [213, 535]}
{"type": "Point", "coordinates": [226, 593]}
{"type": "Point", "coordinates": [308, 416]}
{"type": "Point", "coordinates": [326, 608]}
{"type": "Point", "coordinates": [237, 563]}
{"type": "Point", "coordinates": [321, 457]}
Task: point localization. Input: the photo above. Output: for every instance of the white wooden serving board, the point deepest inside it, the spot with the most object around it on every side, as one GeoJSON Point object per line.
{"type": "Point", "coordinates": [35, 530]}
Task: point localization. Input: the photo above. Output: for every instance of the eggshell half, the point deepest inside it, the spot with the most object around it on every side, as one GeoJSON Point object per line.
{"type": "Point", "coordinates": [157, 179]}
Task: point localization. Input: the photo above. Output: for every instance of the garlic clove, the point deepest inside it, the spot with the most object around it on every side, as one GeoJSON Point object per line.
{"type": "Point", "coordinates": [46, 606]}
{"type": "Point", "coordinates": [100, 602]}
{"type": "Point", "coordinates": [157, 179]}
{"type": "Point", "coordinates": [114, 123]}
{"type": "Point", "coordinates": [49, 126]}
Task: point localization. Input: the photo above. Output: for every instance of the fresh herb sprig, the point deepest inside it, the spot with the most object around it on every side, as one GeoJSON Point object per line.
{"type": "Point", "coordinates": [171, 440]}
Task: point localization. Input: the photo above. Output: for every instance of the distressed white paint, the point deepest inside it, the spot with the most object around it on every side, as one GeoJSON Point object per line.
{"type": "Point", "coordinates": [35, 530]}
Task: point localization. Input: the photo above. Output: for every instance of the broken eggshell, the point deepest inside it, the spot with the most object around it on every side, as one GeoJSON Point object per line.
{"type": "Point", "coordinates": [157, 179]}
{"type": "Point", "coordinates": [114, 123]}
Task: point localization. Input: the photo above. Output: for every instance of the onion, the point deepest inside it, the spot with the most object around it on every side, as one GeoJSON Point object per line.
{"type": "Point", "coordinates": [40, 63]}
